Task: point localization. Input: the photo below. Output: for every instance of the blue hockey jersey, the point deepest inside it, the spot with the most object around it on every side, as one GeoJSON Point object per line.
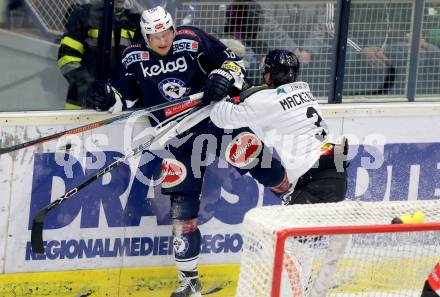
{"type": "Point", "coordinates": [156, 79]}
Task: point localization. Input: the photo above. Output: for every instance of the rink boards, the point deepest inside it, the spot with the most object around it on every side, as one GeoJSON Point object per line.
{"type": "Point", "coordinates": [160, 281]}
{"type": "Point", "coordinates": [117, 230]}
{"type": "Point", "coordinates": [128, 282]}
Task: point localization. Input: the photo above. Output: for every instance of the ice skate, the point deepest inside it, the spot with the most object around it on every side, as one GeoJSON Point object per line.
{"type": "Point", "coordinates": [190, 285]}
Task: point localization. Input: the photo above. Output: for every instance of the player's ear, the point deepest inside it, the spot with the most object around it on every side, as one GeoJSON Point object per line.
{"type": "Point", "coordinates": [267, 78]}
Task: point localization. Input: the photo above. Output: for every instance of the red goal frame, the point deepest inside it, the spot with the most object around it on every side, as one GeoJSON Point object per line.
{"type": "Point", "coordinates": [282, 235]}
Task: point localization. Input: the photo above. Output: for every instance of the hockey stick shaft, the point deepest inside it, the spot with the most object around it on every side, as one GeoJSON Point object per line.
{"type": "Point", "coordinates": [100, 123]}
{"type": "Point", "coordinates": [38, 221]}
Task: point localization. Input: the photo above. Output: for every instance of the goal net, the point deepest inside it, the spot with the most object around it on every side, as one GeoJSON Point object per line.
{"type": "Point", "coordinates": [338, 249]}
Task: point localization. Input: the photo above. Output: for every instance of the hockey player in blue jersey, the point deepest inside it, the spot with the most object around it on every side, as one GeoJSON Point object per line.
{"type": "Point", "coordinates": [170, 63]}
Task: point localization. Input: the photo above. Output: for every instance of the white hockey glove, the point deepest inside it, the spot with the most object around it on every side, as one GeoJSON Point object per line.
{"type": "Point", "coordinates": [118, 106]}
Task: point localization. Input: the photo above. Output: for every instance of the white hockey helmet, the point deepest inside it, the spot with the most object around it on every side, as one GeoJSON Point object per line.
{"type": "Point", "coordinates": [156, 20]}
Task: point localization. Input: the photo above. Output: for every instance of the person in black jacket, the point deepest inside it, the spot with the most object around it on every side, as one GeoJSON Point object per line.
{"type": "Point", "coordinates": [78, 52]}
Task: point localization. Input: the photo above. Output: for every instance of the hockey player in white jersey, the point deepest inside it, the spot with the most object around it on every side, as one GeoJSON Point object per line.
{"type": "Point", "coordinates": [287, 117]}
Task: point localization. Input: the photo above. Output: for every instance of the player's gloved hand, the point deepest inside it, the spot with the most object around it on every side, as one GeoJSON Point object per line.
{"type": "Point", "coordinates": [103, 96]}
{"type": "Point", "coordinates": [221, 81]}
{"type": "Point", "coordinates": [217, 86]}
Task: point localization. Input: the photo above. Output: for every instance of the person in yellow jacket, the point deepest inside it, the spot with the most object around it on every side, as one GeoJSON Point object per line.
{"type": "Point", "coordinates": [78, 52]}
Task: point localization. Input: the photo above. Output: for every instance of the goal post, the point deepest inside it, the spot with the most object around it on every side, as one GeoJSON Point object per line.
{"type": "Point", "coordinates": [338, 249]}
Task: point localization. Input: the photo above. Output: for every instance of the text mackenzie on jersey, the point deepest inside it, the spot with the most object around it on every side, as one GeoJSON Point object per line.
{"type": "Point", "coordinates": [296, 99]}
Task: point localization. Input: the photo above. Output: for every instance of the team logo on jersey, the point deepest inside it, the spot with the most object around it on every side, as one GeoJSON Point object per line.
{"type": "Point", "coordinates": [281, 91]}
{"type": "Point", "coordinates": [173, 173]}
{"type": "Point", "coordinates": [243, 149]}
{"type": "Point", "coordinates": [185, 45]}
{"type": "Point", "coordinates": [180, 245]}
{"type": "Point", "coordinates": [172, 66]}
{"type": "Point", "coordinates": [135, 56]}
{"type": "Point", "coordinates": [173, 88]}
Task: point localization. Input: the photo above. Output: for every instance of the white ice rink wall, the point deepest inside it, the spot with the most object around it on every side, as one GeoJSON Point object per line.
{"type": "Point", "coordinates": [122, 219]}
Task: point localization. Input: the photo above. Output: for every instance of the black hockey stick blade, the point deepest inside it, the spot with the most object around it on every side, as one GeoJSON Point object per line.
{"type": "Point", "coordinates": [37, 238]}
{"type": "Point", "coordinates": [37, 232]}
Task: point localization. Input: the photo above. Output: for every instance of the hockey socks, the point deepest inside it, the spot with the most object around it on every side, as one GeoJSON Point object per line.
{"type": "Point", "coordinates": [186, 242]}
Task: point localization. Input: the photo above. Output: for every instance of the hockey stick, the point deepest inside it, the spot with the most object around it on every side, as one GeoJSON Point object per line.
{"type": "Point", "coordinates": [95, 125]}
{"type": "Point", "coordinates": [38, 221]}
{"type": "Point", "coordinates": [212, 290]}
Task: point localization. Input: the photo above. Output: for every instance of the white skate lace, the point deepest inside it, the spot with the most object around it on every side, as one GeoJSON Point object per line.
{"type": "Point", "coordinates": [185, 282]}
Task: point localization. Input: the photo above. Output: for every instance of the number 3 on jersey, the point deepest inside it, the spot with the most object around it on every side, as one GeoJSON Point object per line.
{"type": "Point", "coordinates": [322, 126]}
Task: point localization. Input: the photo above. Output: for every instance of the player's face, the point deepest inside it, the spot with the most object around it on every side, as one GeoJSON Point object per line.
{"type": "Point", "coordinates": [161, 42]}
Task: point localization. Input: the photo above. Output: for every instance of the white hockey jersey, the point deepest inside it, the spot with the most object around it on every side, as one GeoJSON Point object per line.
{"type": "Point", "coordinates": [287, 118]}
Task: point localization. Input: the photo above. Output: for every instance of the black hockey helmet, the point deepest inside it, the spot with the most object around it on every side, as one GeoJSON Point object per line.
{"type": "Point", "coordinates": [283, 66]}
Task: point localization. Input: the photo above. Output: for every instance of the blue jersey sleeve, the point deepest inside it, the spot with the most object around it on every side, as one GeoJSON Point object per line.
{"type": "Point", "coordinates": [212, 52]}
{"type": "Point", "coordinates": [125, 82]}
